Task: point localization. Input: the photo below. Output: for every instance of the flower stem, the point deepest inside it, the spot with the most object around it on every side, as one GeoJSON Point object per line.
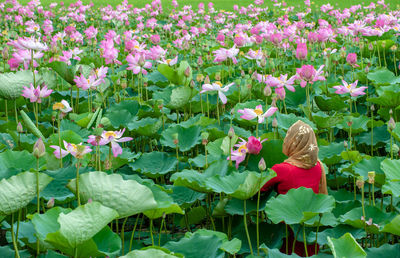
{"type": "Point", "coordinates": [123, 235]}
{"type": "Point", "coordinates": [245, 226]}
{"type": "Point", "coordinates": [13, 236]}
{"type": "Point", "coordinates": [305, 240]}
{"type": "Point", "coordinates": [59, 137]}
{"type": "Point", "coordinates": [133, 232]}
{"type": "Point", "coordinates": [77, 183]}
{"type": "Point", "coordinates": [151, 232]}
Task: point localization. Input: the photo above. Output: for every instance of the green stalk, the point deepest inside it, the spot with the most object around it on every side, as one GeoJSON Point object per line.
{"type": "Point", "coordinates": [77, 183]}
{"type": "Point", "coordinates": [305, 240]}
{"type": "Point", "coordinates": [373, 194]}
{"type": "Point", "coordinates": [316, 235]}
{"type": "Point", "coordinates": [257, 130]}
{"type": "Point", "coordinates": [38, 203]}
{"type": "Point", "coordinates": [151, 232]}
{"type": "Point", "coordinates": [159, 236]}
{"type": "Point", "coordinates": [13, 236]}
{"type": "Point", "coordinates": [218, 111]}
{"type": "Point", "coordinates": [363, 209]}
{"type": "Point", "coordinates": [133, 232]}
{"type": "Point", "coordinates": [287, 239]}
{"type": "Point", "coordinates": [245, 226]}
{"type": "Point", "coordinates": [123, 235]}
{"type": "Point", "coordinates": [59, 137]}
{"type": "Point", "coordinates": [295, 239]}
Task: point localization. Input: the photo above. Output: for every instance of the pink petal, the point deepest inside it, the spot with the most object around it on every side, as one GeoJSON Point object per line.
{"type": "Point", "coordinates": [116, 149]}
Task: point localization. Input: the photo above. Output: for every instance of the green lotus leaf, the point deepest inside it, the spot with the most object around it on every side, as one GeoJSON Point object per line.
{"type": "Point", "coordinates": [12, 84]}
{"type": "Point", "coordinates": [17, 191]}
{"type": "Point", "coordinates": [294, 99]}
{"type": "Point", "coordinates": [121, 114]}
{"type": "Point", "coordinates": [393, 227]}
{"type": "Point", "coordinates": [337, 232]}
{"type": "Point", "coordinates": [331, 154]}
{"type": "Point", "coordinates": [127, 197]}
{"type": "Point", "coordinates": [147, 126]}
{"type": "Point", "coordinates": [197, 246]}
{"type": "Point", "coordinates": [66, 72]}
{"type": "Point", "coordinates": [379, 218]}
{"type": "Point", "coordinates": [324, 121]}
{"type": "Point", "coordinates": [271, 152]}
{"type": "Point", "coordinates": [212, 70]}
{"type": "Point", "coordinates": [151, 252]}
{"type": "Point", "coordinates": [68, 136]}
{"type": "Point", "coordinates": [346, 246]}
{"type": "Point", "coordinates": [182, 78]}
{"type": "Point", "coordinates": [154, 164]}
{"type": "Point", "coordinates": [185, 196]}
{"type": "Point", "coordinates": [168, 72]}
{"type": "Point", "coordinates": [391, 187]}
{"type": "Point", "coordinates": [180, 96]}
{"type": "Point", "coordinates": [240, 185]}
{"type": "Point", "coordinates": [187, 137]}
{"type": "Point", "coordinates": [380, 135]}
{"type": "Point", "coordinates": [191, 179]}
{"type": "Point", "coordinates": [373, 164]}
{"type": "Point", "coordinates": [385, 250]}
{"type": "Point", "coordinates": [359, 124]}
{"type": "Point", "coordinates": [231, 247]}
{"type": "Point", "coordinates": [20, 160]}
{"type": "Point", "coordinates": [389, 96]}
{"type": "Point", "coordinates": [287, 120]}
{"type": "Point", "coordinates": [391, 169]}
{"type": "Point", "coordinates": [78, 227]}
{"type": "Point", "coordinates": [334, 102]}
{"type": "Point", "coordinates": [382, 76]}
{"type": "Point", "coordinates": [298, 206]}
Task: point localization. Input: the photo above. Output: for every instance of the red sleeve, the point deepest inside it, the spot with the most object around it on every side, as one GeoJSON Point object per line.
{"type": "Point", "coordinates": [280, 170]}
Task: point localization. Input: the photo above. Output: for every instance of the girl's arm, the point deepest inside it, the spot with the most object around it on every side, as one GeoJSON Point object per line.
{"type": "Point", "coordinates": [278, 168]}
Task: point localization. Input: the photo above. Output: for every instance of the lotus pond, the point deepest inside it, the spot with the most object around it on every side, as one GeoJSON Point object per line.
{"type": "Point", "coordinates": [143, 132]}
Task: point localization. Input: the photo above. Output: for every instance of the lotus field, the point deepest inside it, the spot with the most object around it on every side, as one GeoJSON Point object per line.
{"type": "Point", "coordinates": [149, 132]}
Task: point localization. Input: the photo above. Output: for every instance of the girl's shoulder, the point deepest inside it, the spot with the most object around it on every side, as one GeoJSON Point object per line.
{"type": "Point", "coordinates": [283, 167]}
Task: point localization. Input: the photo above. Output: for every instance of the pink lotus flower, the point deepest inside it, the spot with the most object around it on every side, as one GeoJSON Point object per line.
{"type": "Point", "coordinates": [29, 44]}
{"type": "Point", "coordinates": [94, 80]}
{"type": "Point", "coordinates": [254, 145]}
{"type": "Point", "coordinates": [301, 51]}
{"type": "Point", "coordinates": [308, 74]}
{"type": "Point", "coordinates": [239, 155]}
{"type": "Point", "coordinates": [350, 88]}
{"type": "Point", "coordinates": [217, 86]}
{"type": "Point", "coordinates": [23, 56]}
{"type": "Point", "coordinates": [223, 54]}
{"type": "Point", "coordinates": [352, 59]}
{"type": "Point", "coordinates": [36, 95]}
{"type": "Point", "coordinates": [169, 62]}
{"type": "Point", "coordinates": [114, 137]}
{"type": "Point", "coordinates": [78, 151]}
{"type": "Point", "coordinates": [257, 54]}
{"type": "Point", "coordinates": [250, 114]}
{"type": "Point", "coordinates": [138, 63]}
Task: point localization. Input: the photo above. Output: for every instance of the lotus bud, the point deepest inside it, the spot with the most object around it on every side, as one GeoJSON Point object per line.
{"type": "Point", "coordinates": [249, 86]}
{"type": "Point", "coordinates": [250, 71]}
{"type": "Point", "coordinates": [124, 85]}
{"type": "Point", "coordinates": [193, 51]}
{"type": "Point", "coordinates": [275, 123]}
{"type": "Point", "coordinates": [360, 182]}
{"type": "Point", "coordinates": [391, 124]}
{"type": "Point", "coordinates": [5, 53]}
{"type": "Point", "coordinates": [90, 200]}
{"type": "Point", "coordinates": [370, 46]}
{"type": "Point", "coordinates": [242, 73]}
{"type": "Point", "coordinates": [175, 137]}
{"type": "Point", "coordinates": [390, 112]}
{"type": "Point", "coordinates": [199, 77]}
{"type": "Point", "coordinates": [261, 165]}
{"type": "Point", "coordinates": [393, 48]}
{"type": "Point", "coordinates": [395, 148]}
{"type": "Point", "coordinates": [20, 129]}
{"type": "Point", "coordinates": [50, 203]}
{"type": "Point", "coordinates": [345, 144]}
{"type": "Point", "coordinates": [39, 149]}
{"type": "Point", "coordinates": [366, 69]}
{"type": "Point", "coordinates": [371, 177]}
{"type": "Point", "coordinates": [232, 111]}
{"type": "Point", "coordinates": [207, 80]}
{"type": "Point", "coordinates": [204, 138]}
{"type": "Point", "coordinates": [372, 108]}
{"type": "Point", "coordinates": [263, 62]}
{"type": "Point", "coordinates": [200, 61]}
{"type": "Point", "coordinates": [267, 91]}
{"type": "Point", "coordinates": [187, 72]}
{"type": "Point", "coordinates": [231, 133]}
{"type": "Point", "coordinates": [217, 76]}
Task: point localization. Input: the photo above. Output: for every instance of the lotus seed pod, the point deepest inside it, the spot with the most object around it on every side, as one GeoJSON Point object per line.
{"type": "Point", "coordinates": [371, 177]}
{"type": "Point", "coordinates": [39, 149]}
{"type": "Point", "coordinates": [393, 48]}
{"type": "Point", "coordinates": [217, 76]}
{"type": "Point", "coordinates": [360, 182]}
{"type": "Point", "coordinates": [372, 108]}
{"type": "Point", "coordinates": [199, 77]}
{"type": "Point", "coordinates": [261, 165]}
{"type": "Point", "coordinates": [267, 91]}
{"type": "Point", "coordinates": [20, 129]}
{"type": "Point", "coordinates": [395, 148]}
{"type": "Point", "coordinates": [263, 62]}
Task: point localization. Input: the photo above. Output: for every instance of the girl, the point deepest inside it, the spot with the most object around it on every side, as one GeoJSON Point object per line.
{"type": "Point", "coordinates": [301, 169]}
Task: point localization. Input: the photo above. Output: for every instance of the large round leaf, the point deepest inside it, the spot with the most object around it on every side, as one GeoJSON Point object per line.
{"type": "Point", "coordinates": [197, 246]}
{"type": "Point", "coordinates": [346, 246]}
{"type": "Point", "coordinates": [391, 169]}
{"type": "Point", "coordinates": [17, 191]}
{"type": "Point", "coordinates": [287, 120]}
{"type": "Point", "coordinates": [127, 197]}
{"type": "Point", "coordinates": [385, 250]}
{"type": "Point", "coordinates": [240, 185]}
{"type": "Point", "coordinates": [151, 252]}
{"type": "Point", "coordinates": [187, 137]}
{"type": "Point", "coordinates": [393, 227]}
{"type": "Point", "coordinates": [81, 224]}
{"type": "Point", "coordinates": [374, 164]}
{"type": "Point", "coordinates": [12, 84]}
{"type": "Point", "coordinates": [154, 164]}
{"type": "Point", "coordinates": [298, 206]}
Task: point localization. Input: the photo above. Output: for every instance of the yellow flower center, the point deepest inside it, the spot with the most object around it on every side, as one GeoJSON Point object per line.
{"type": "Point", "coordinates": [35, 28]}
{"type": "Point", "coordinates": [88, 81]}
{"type": "Point", "coordinates": [58, 106]}
{"type": "Point", "coordinates": [219, 84]}
{"type": "Point", "coordinates": [74, 147]}
{"type": "Point", "coordinates": [258, 111]}
{"type": "Point", "coordinates": [110, 133]}
{"type": "Point", "coordinates": [348, 86]}
{"type": "Point", "coordinates": [137, 47]}
{"type": "Point", "coordinates": [241, 148]}
{"type": "Point", "coordinates": [168, 61]}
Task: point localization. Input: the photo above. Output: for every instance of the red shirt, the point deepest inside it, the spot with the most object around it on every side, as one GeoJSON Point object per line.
{"type": "Point", "coordinates": [289, 176]}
